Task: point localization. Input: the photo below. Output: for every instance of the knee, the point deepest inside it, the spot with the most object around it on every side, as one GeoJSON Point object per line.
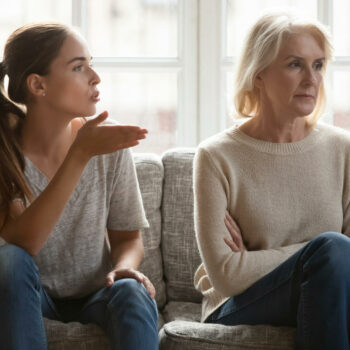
{"type": "Point", "coordinates": [333, 250]}
{"type": "Point", "coordinates": [129, 293]}
{"type": "Point", "coordinates": [15, 264]}
{"type": "Point", "coordinates": [127, 289]}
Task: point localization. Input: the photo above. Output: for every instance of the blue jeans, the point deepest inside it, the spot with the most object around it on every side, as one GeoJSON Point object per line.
{"type": "Point", "coordinates": [309, 291]}
{"type": "Point", "coordinates": [125, 310]}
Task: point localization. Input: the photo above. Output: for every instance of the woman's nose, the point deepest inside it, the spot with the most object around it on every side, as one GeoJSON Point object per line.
{"type": "Point", "coordinates": [95, 77]}
{"type": "Point", "coordinates": [310, 75]}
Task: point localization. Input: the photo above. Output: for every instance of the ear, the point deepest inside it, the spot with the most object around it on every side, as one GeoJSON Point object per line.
{"type": "Point", "coordinates": [36, 85]}
{"type": "Point", "coordinates": [258, 82]}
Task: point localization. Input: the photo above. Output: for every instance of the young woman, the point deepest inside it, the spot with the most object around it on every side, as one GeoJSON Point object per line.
{"type": "Point", "coordinates": [272, 196]}
{"type": "Point", "coordinates": [63, 182]}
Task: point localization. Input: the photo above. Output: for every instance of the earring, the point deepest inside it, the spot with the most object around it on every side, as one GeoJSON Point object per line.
{"type": "Point", "coordinates": [44, 94]}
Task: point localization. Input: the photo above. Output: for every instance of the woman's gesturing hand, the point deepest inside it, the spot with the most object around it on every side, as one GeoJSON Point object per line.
{"type": "Point", "coordinates": [236, 244]}
{"type": "Point", "coordinates": [95, 138]}
{"type": "Point", "coordinates": [120, 273]}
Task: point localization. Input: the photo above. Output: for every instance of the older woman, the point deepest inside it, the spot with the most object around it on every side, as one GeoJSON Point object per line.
{"type": "Point", "coordinates": [272, 196]}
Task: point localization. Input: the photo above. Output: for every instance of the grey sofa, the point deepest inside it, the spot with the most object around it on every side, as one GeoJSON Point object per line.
{"type": "Point", "coordinates": [170, 260]}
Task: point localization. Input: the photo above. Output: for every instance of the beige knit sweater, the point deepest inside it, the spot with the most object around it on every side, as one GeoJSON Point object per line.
{"type": "Point", "coordinates": [280, 194]}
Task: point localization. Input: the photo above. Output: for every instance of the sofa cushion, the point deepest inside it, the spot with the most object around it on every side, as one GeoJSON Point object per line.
{"type": "Point", "coordinates": [182, 311]}
{"type": "Point", "coordinates": [76, 336]}
{"type": "Point", "coordinates": [198, 336]}
{"type": "Point", "coordinates": [179, 247]}
{"type": "Point", "coordinates": [150, 172]}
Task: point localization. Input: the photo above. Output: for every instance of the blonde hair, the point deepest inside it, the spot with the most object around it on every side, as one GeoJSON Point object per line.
{"type": "Point", "coordinates": [261, 47]}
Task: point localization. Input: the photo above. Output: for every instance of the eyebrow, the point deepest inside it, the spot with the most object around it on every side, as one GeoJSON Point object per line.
{"type": "Point", "coordinates": [81, 58]}
{"type": "Point", "coordinates": [301, 58]}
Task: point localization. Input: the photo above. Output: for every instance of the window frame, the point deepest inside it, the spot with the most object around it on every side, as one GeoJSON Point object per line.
{"type": "Point", "coordinates": [185, 65]}
{"type": "Point", "coordinates": [213, 64]}
{"type": "Point", "coordinates": [201, 65]}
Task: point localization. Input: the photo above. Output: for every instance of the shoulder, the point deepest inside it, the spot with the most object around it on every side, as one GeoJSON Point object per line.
{"type": "Point", "coordinates": [116, 161]}
{"type": "Point", "coordinates": [219, 143]}
{"type": "Point", "coordinates": [77, 123]}
{"type": "Point", "coordinates": [217, 151]}
{"type": "Point", "coordinates": [333, 135]}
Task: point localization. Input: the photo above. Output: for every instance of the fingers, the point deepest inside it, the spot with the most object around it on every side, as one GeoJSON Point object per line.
{"type": "Point", "coordinates": [234, 233]}
{"type": "Point", "coordinates": [124, 133]}
{"type": "Point", "coordinates": [149, 287]}
{"type": "Point", "coordinates": [130, 273]}
{"type": "Point", "coordinates": [99, 119]}
{"type": "Point", "coordinates": [110, 279]}
{"type": "Point", "coordinates": [231, 221]}
{"type": "Point", "coordinates": [236, 244]}
{"type": "Point", "coordinates": [232, 245]}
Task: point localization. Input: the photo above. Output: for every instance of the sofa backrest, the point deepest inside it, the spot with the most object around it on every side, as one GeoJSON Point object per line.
{"type": "Point", "coordinates": [179, 248]}
{"type": "Point", "coordinates": [150, 174]}
{"type": "Point", "coordinates": [171, 255]}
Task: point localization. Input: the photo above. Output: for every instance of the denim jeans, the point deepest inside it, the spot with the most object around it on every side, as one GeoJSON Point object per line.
{"type": "Point", "coordinates": [309, 291]}
{"type": "Point", "coordinates": [125, 310]}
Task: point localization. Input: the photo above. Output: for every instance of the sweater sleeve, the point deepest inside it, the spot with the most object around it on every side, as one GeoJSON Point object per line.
{"type": "Point", "coordinates": [230, 273]}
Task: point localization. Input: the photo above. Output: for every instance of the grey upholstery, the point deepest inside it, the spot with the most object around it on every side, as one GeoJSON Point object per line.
{"type": "Point", "coordinates": [170, 260]}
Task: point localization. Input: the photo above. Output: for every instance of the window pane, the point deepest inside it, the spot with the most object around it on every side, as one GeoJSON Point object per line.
{"type": "Point", "coordinates": [241, 14]}
{"type": "Point", "coordinates": [230, 112]}
{"type": "Point", "coordinates": [14, 13]}
{"type": "Point", "coordinates": [340, 98]}
{"type": "Point", "coordinates": [145, 99]}
{"type": "Point", "coordinates": [341, 27]}
{"type": "Point", "coordinates": [133, 28]}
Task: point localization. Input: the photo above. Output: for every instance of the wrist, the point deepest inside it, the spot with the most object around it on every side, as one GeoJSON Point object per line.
{"type": "Point", "coordinates": [78, 154]}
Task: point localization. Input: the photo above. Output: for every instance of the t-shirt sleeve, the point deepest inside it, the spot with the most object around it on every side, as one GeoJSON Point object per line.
{"type": "Point", "coordinates": [126, 212]}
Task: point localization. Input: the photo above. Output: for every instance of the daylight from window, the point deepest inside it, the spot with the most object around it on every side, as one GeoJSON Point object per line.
{"type": "Point", "coordinates": [139, 49]}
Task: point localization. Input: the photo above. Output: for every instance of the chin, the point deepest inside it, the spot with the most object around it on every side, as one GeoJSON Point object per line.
{"type": "Point", "coordinates": [304, 112]}
{"type": "Point", "coordinates": [90, 112]}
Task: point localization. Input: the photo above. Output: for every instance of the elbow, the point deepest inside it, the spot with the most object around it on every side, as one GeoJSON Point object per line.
{"type": "Point", "coordinates": [226, 281]}
{"type": "Point", "coordinates": [220, 282]}
{"type": "Point", "coordinates": [229, 288]}
{"type": "Point", "coordinates": [31, 249]}
{"type": "Point", "coordinates": [224, 288]}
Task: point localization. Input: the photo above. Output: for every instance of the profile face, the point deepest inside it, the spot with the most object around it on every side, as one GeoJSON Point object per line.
{"type": "Point", "coordinates": [290, 85]}
{"type": "Point", "coordinates": [71, 82]}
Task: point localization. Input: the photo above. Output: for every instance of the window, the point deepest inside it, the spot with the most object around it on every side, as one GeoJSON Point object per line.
{"type": "Point", "coordinates": [232, 18]}
{"type": "Point", "coordinates": [168, 65]}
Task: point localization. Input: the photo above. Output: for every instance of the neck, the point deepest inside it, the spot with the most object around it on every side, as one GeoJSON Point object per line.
{"type": "Point", "coordinates": [277, 130]}
{"type": "Point", "coordinates": [46, 135]}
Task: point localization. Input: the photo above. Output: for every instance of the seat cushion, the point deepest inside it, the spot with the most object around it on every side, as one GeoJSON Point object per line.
{"type": "Point", "coordinates": [182, 311]}
{"type": "Point", "coordinates": [74, 335]}
{"type": "Point", "coordinates": [77, 336]}
{"type": "Point", "coordinates": [180, 252]}
{"type": "Point", "coordinates": [184, 335]}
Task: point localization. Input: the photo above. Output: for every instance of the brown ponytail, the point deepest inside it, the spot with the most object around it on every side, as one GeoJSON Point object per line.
{"type": "Point", "coordinates": [29, 49]}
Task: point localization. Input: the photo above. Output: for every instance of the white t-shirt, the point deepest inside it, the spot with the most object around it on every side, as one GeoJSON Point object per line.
{"type": "Point", "coordinates": [75, 259]}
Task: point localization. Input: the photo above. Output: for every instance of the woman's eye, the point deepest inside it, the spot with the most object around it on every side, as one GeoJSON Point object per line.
{"type": "Point", "coordinates": [318, 65]}
{"type": "Point", "coordinates": [78, 68]}
{"type": "Point", "coordinates": [294, 64]}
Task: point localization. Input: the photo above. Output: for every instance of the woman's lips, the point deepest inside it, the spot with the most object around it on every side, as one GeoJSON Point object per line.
{"type": "Point", "coordinates": [307, 96]}
{"type": "Point", "coordinates": [95, 96]}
